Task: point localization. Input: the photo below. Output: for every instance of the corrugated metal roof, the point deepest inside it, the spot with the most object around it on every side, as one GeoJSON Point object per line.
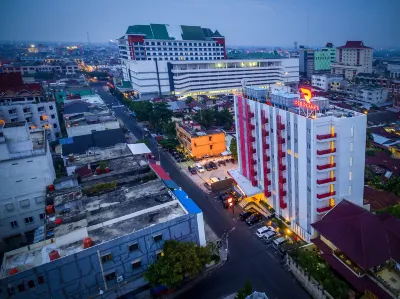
{"type": "Point", "coordinates": [187, 202]}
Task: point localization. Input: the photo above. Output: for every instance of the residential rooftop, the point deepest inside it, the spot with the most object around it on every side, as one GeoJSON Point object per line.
{"type": "Point", "coordinates": [195, 130]}
{"type": "Point", "coordinates": [103, 217]}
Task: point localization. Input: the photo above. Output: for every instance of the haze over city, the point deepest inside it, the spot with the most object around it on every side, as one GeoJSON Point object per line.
{"type": "Point", "coordinates": [242, 22]}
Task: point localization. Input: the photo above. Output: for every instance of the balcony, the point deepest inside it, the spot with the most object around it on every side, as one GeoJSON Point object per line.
{"type": "Point", "coordinates": [282, 180]}
{"type": "Point", "coordinates": [281, 154]}
{"type": "Point", "coordinates": [282, 204]}
{"type": "Point", "coordinates": [325, 181]}
{"type": "Point", "coordinates": [324, 209]}
{"type": "Point", "coordinates": [267, 182]}
{"type": "Point", "coordinates": [281, 140]}
{"type": "Point", "coordinates": [326, 166]}
{"type": "Point", "coordinates": [282, 192]}
{"type": "Point", "coordinates": [325, 195]}
{"type": "Point", "coordinates": [265, 133]}
{"type": "Point", "coordinates": [253, 162]}
{"type": "Point", "coordinates": [255, 173]}
{"type": "Point", "coordinates": [264, 120]}
{"type": "Point", "coordinates": [326, 136]}
{"type": "Point", "coordinates": [282, 167]}
{"type": "Point", "coordinates": [326, 151]}
{"type": "Point", "coordinates": [266, 146]}
{"type": "Point", "coordinates": [266, 158]}
{"type": "Point", "coordinates": [267, 194]}
{"type": "Point", "coordinates": [252, 139]}
{"type": "Point", "coordinates": [254, 151]}
{"type": "Point", "coordinates": [251, 127]}
{"type": "Point", "coordinates": [281, 126]}
{"type": "Point", "coordinates": [251, 114]}
{"type": "Point", "coordinates": [254, 183]}
{"type": "Point", "coordinates": [267, 171]}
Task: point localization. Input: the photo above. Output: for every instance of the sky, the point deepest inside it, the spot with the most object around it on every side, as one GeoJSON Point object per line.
{"type": "Point", "coordinates": [242, 22]}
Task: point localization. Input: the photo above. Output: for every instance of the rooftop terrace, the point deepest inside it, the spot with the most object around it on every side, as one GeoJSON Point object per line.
{"type": "Point", "coordinates": [102, 217]}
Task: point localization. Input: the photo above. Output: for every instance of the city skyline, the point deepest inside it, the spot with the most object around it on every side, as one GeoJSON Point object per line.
{"type": "Point", "coordinates": [243, 23]}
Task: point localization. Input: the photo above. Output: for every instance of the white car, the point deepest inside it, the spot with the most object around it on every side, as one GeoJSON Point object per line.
{"type": "Point", "coordinates": [261, 231]}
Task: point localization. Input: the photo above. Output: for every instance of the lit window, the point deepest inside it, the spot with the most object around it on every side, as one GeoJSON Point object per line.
{"type": "Point", "coordinates": [289, 151]}
{"type": "Point", "coordinates": [159, 254]}
{"type": "Point", "coordinates": [107, 257]}
{"type": "Point", "coordinates": [351, 161]}
{"type": "Point", "coordinates": [43, 117]}
{"type": "Point", "coordinates": [350, 176]}
{"type": "Point", "coordinates": [351, 146]}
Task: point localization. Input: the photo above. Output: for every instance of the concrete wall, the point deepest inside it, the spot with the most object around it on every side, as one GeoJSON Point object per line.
{"type": "Point", "coordinates": [22, 192]}
{"type": "Point", "coordinates": [80, 275]}
{"type": "Point", "coordinates": [87, 129]}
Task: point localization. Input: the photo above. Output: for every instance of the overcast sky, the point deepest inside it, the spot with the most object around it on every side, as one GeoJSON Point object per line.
{"type": "Point", "coordinates": [242, 22]}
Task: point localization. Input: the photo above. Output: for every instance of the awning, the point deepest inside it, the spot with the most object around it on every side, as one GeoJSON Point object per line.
{"type": "Point", "coordinates": [170, 184]}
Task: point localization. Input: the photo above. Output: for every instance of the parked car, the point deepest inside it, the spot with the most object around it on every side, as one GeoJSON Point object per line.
{"type": "Point", "coordinates": [207, 167]}
{"type": "Point", "coordinates": [213, 165]}
{"type": "Point", "coordinates": [277, 242]}
{"type": "Point", "coordinates": [261, 231]}
{"type": "Point", "coordinates": [192, 170]}
{"type": "Point", "coordinates": [269, 235]}
{"type": "Point", "coordinates": [221, 162]}
{"type": "Point", "coordinates": [244, 215]}
{"type": "Point", "coordinates": [199, 168]}
{"type": "Point", "coordinates": [208, 186]}
{"type": "Point", "coordinates": [253, 219]}
{"type": "Point", "coordinates": [214, 179]}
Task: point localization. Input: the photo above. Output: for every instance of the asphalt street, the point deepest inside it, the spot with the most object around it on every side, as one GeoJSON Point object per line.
{"type": "Point", "coordinates": [249, 258]}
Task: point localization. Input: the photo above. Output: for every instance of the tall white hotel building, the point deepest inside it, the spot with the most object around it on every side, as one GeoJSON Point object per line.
{"type": "Point", "coordinates": [304, 157]}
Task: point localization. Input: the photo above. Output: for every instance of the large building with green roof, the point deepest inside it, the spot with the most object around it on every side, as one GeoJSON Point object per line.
{"type": "Point", "coordinates": [171, 42]}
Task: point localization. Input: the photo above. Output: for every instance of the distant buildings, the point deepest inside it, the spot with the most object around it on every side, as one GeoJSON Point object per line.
{"type": "Point", "coordinates": [190, 60]}
{"type": "Point", "coordinates": [101, 236]}
{"type": "Point", "coordinates": [199, 143]}
{"type": "Point", "coordinates": [351, 59]}
{"type": "Point", "coordinates": [26, 171]}
{"type": "Point", "coordinates": [316, 61]}
{"type": "Point", "coordinates": [327, 82]}
{"type": "Point", "coordinates": [394, 70]}
{"type": "Point", "coordinates": [26, 102]}
{"type": "Point", "coordinates": [302, 156]}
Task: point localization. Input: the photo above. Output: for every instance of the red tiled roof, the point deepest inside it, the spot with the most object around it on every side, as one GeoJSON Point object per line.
{"type": "Point", "coordinates": [379, 199]}
{"type": "Point", "coordinates": [385, 160]}
{"type": "Point", "coordinates": [13, 82]}
{"type": "Point", "coordinates": [159, 171]}
{"type": "Point", "coordinates": [360, 283]}
{"type": "Point", "coordinates": [366, 239]}
{"type": "Point", "coordinates": [84, 171]}
{"type": "Point", "coordinates": [354, 45]}
{"type": "Point", "coordinates": [382, 132]}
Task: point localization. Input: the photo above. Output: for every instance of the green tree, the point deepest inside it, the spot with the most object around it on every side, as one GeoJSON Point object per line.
{"type": "Point", "coordinates": [160, 116]}
{"type": "Point", "coordinates": [143, 110]}
{"type": "Point", "coordinates": [180, 260]}
{"type": "Point", "coordinates": [246, 291]}
{"type": "Point", "coordinates": [170, 143]}
{"type": "Point", "coordinates": [170, 129]}
{"type": "Point", "coordinates": [223, 118]}
{"type": "Point", "coordinates": [205, 118]}
{"type": "Point", "coordinates": [233, 149]}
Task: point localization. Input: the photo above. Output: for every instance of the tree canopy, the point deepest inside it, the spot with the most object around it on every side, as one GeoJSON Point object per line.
{"type": "Point", "coordinates": [180, 260]}
{"type": "Point", "coordinates": [233, 149]}
{"type": "Point", "coordinates": [244, 292]}
{"type": "Point", "coordinates": [210, 117]}
{"type": "Point", "coordinates": [393, 210]}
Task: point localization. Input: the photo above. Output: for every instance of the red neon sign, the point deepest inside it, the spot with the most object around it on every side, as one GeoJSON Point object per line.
{"type": "Point", "coordinates": [306, 105]}
{"type": "Point", "coordinates": [306, 93]}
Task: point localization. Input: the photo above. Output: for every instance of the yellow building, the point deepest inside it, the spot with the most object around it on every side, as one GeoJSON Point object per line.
{"type": "Point", "coordinates": [199, 143]}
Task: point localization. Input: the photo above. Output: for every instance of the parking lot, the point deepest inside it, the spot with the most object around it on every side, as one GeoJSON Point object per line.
{"type": "Point", "coordinates": [200, 178]}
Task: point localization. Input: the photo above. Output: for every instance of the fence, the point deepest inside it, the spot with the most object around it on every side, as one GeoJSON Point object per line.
{"type": "Point", "coordinates": [311, 285]}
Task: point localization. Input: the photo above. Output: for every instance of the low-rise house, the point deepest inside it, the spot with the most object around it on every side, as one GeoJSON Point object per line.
{"type": "Point", "coordinates": [362, 247]}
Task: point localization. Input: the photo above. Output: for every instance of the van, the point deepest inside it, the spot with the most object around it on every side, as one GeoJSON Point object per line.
{"type": "Point", "coordinates": [261, 231]}
{"type": "Point", "coordinates": [199, 167]}
{"type": "Point", "coordinates": [269, 235]}
{"type": "Point", "coordinates": [213, 180]}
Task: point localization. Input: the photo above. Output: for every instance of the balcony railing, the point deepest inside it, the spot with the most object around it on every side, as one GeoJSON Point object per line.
{"type": "Point", "coordinates": [267, 182]}
{"type": "Point", "coordinates": [251, 114]}
{"type": "Point", "coordinates": [253, 162]}
{"type": "Point", "coordinates": [326, 166]}
{"type": "Point", "coordinates": [281, 154]}
{"type": "Point", "coordinates": [265, 133]}
{"type": "Point", "coordinates": [325, 181]}
{"type": "Point", "coordinates": [281, 140]}
{"type": "Point", "coordinates": [251, 127]}
{"type": "Point", "coordinates": [266, 158]}
{"type": "Point", "coordinates": [254, 182]}
{"type": "Point", "coordinates": [253, 139]}
{"type": "Point", "coordinates": [266, 146]}
{"type": "Point", "coordinates": [267, 171]}
{"type": "Point", "coordinates": [254, 151]}
{"type": "Point", "coordinates": [282, 204]}
{"type": "Point", "coordinates": [267, 194]}
{"type": "Point", "coordinates": [324, 209]}
{"type": "Point", "coordinates": [281, 126]}
{"type": "Point", "coordinates": [326, 136]}
{"type": "Point", "coordinates": [282, 179]}
{"type": "Point", "coordinates": [264, 120]}
{"type": "Point", "coordinates": [325, 195]}
{"type": "Point", "coordinates": [282, 167]}
{"type": "Point", "coordinates": [282, 192]}
{"type": "Point", "coordinates": [326, 151]}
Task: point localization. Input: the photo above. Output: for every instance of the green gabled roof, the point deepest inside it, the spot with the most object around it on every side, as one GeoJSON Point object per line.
{"type": "Point", "coordinates": [217, 34]}
{"type": "Point", "coordinates": [254, 55]}
{"type": "Point", "coordinates": [140, 29]}
{"type": "Point", "coordinates": [160, 31]}
{"type": "Point", "coordinates": [192, 33]}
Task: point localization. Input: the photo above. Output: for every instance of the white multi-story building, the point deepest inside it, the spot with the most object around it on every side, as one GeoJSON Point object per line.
{"type": "Point", "coordinates": [325, 81]}
{"type": "Point", "coordinates": [26, 68]}
{"type": "Point", "coordinates": [26, 169]}
{"type": "Point", "coordinates": [304, 157]}
{"type": "Point", "coordinates": [394, 70]}
{"type": "Point", "coordinates": [184, 78]}
{"type": "Point", "coordinates": [351, 59]}
{"type": "Point", "coordinates": [183, 60]}
{"type": "Point", "coordinates": [25, 102]}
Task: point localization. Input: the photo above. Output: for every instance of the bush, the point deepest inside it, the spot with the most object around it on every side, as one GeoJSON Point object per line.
{"type": "Point", "coordinates": [99, 188]}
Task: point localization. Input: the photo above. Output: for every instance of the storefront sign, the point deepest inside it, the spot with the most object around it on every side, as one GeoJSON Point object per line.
{"type": "Point", "coordinates": [306, 105]}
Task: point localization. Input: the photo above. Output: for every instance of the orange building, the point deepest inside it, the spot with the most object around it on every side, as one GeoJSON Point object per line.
{"type": "Point", "coordinates": [199, 143]}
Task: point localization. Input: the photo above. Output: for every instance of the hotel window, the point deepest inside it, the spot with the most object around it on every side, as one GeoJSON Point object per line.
{"type": "Point", "coordinates": [133, 247]}
{"type": "Point", "coordinates": [31, 284]}
{"type": "Point", "coordinates": [110, 276]}
{"type": "Point", "coordinates": [350, 189]}
{"type": "Point", "coordinates": [157, 238]}
{"type": "Point", "coordinates": [14, 224]}
{"type": "Point", "coordinates": [136, 264]}
{"type": "Point", "coordinates": [107, 257]}
{"type": "Point", "coordinates": [350, 176]}
{"type": "Point", "coordinates": [351, 146]}
{"type": "Point", "coordinates": [28, 220]}
{"type": "Point", "coordinates": [351, 161]}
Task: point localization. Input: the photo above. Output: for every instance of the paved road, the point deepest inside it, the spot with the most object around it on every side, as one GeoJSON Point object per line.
{"type": "Point", "coordinates": [249, 258]}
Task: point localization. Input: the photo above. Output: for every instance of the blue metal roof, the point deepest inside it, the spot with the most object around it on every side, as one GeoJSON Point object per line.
{"type": "Point", "coordinates": [187, 202]}
{"type": "Point", "coordinates": [170, 184]}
